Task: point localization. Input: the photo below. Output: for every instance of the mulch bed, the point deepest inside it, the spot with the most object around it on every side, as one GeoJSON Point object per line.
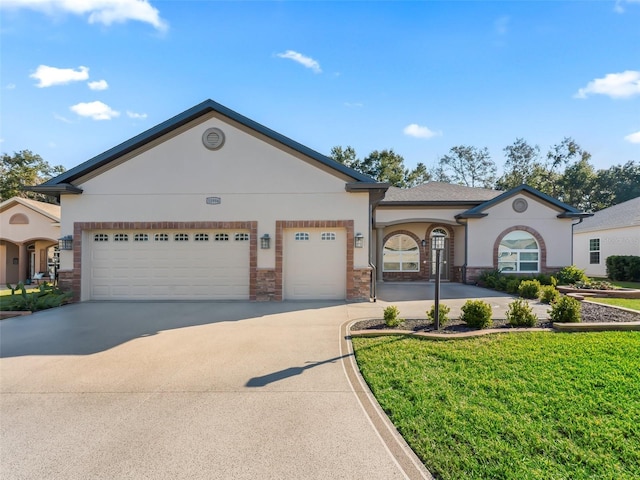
{"type": "Point", "coordinates": [591, 313]}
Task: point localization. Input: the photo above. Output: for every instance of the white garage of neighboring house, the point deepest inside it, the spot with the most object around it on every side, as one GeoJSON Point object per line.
{"type": "Point", "coordinates": [29, 232]}
{"type": "Point", "coordinates": [611, 231]}
{"type": "Point", "coordinates": [212, 205]}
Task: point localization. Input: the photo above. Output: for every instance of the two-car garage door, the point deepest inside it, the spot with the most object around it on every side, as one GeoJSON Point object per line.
{"type": "Point", "coordinates": [169, 264]}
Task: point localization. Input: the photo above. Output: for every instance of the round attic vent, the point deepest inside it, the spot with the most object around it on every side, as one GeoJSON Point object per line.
{"type": "Point", "coordinates": [520, 205]}
{"type": "Point", "coordinates": [213, 138]}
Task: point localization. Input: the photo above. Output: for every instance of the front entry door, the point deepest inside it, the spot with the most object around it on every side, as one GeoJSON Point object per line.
{"type": "Point", "coordinates": [444, 257]}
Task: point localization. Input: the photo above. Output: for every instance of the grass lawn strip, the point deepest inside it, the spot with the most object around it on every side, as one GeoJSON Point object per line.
{"type": "Point", "coordinates": [631, 303]}
{"type": "Point", "coordinates": [531, 405]}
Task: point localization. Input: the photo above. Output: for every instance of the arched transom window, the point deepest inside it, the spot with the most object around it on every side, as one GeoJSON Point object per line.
{"type": "Point", "coordinates": [519, 252]}
{"type": "Point", "coordinates": [400, 254]}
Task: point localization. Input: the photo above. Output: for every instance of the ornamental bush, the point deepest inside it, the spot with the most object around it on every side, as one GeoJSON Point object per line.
{"type": "Point", "coordinates": [476, 314]}
{"type": "Point", "coordinates": [444, 314]}
{"type": "Point", "coordinates": [391, 316]}
{"type": "Point", "coordinates": [520, 314]}
{"type": "Point", "coordinates": [513, 284]}
{"type": "Point", "coordinates": [565, 310]}
{"type": "Point", "coordinates": [529, 289]}
{"type": "Point", "coordinates": [570, 275]}
{"type": "Point", "coordinates": [623, 267]}
{"type": "Point", "coordinates": [549, 294]}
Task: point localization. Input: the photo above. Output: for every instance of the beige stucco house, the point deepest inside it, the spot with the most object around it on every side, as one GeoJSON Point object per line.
{"type": "Point", "coordinates": [611, 231]}
{"type": "Point", "coordinates": [29, 232]}
{"type": "Point", "coordinates": [213, 205]}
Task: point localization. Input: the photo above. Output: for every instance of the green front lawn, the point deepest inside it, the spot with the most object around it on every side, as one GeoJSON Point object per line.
{"type": "Point", "coordinates": [526, 406]}
{"type": "Point", "coordinates": [632, 303]}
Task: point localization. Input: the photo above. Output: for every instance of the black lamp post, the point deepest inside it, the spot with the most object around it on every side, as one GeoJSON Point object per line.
{"type": "Point", "coordinates": [437, 244]}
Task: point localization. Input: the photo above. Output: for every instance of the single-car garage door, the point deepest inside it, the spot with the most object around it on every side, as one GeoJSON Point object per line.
{"type": "Point", "coordinates": [315, 263]}
{"type": "Point", "coordinates": [169, 264]}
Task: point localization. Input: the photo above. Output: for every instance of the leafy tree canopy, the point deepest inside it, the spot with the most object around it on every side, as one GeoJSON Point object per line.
{"type": "Point", "coordinates": [468, 166]}
{"type": "Point", "coordinates": [23, 169]}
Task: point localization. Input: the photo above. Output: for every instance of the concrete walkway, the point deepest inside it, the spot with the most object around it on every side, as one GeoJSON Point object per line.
{"type": "Point", "coordinates": [190, 390]}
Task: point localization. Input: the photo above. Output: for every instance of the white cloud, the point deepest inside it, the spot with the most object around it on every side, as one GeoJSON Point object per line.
{"type": "Point", "coordinates": [98, 85]}
{"type": "Point", "coordinates": [303, 60]}
{"type": "Point", "coordinates": [61, 118]}
{"type": "Point", "coordinates": [99, 11]}
{"type": "Point", "coordinates": [633, 138]}
{"type": "Point", "coordinates": [415, 130]}
{"type": "Point", "coordinates": [96, 110]}
{"type": "Point", "coordinates": [614, 85]}
{"type": "Point", "coordinates": [137, 116]}
{"type": "Point", "coordinates": [501, 25]}
{"type": "Point", "coordinates": [619, 6]}
{"type": "Point", "coordinates": [49, 76]}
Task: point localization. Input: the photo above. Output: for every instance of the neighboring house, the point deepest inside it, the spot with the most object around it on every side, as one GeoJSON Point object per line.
{"type": "Point", "coordinates": [29, 232]}
{"type": "Point", "coordinates": [213, 205]}
{"type": "Point", "coordinates": [612, 231]}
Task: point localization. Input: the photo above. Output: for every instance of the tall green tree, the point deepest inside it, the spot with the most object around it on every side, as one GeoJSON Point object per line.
{"type": "Point", "coordinates": [522, 165]}
{"type": "Point", "coordinates": [468, 166]}
{"type": "Point", "coordinates": [616, 184]}
{"type": "Point", "coordinates": [559, 157]}
{"type": "Point", "coordinates": [384, 166]}
{"type": "Point", "coordinates": [576, 185]}
{"type": "Point", "coordinates": [25, 168]}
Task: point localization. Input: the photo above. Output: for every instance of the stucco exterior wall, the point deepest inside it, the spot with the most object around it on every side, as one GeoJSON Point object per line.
{"type": "Point", "coordinates": [539, 216]}
{"type": "Point", "coordinates": [614, 241]}
{"type": "Point", "coordinates": [393, 215]}
{"type": "Point", "coordinates": [254, 179]}
{"type": "Point", "coordinates": [39, 226]}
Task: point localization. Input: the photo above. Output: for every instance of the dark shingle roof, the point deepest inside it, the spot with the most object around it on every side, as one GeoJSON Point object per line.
{"type": "Point", "coordinates": [625, 214]}
{"type": "Point", "coordinates": [439, 192]}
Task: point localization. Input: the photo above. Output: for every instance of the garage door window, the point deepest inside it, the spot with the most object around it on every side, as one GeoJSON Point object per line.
{"type": "Point", "coordinates": [101, 237]}
{"type": "Point", "coordinates": [181, 237]}
{"type": "Point", "coordinates": [241, 237]}
{"type": "Point", "coordinates": [400, 254]}
{"type": "Point", "coordinates": [161, 237]}
{"type": "Point", "coordinates": [201, 237]}
{"type": "Point", "coordinates": [120, 237]}
{"type": "Point", "coordinates": [221, 237]}
{"type": "Point", "coordinates": [328, 236]}
{"type": "Point", "coordinates": [301, 236]}
{"type": "Point", "coordinates": [141, 237]}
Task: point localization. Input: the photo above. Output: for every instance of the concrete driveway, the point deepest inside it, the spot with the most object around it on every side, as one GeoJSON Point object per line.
{"type": "Point", "coordinates": [190, 390]}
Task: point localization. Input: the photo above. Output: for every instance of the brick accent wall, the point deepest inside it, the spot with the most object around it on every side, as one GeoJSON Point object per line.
{"type": "Point", "coordinates": [361, 290]}
{"type": "Point", "coordinates": [66, 283]}
{"type": "Point", "coordinates": [423, 271]}
{"type": "Point", "coordinates": [265, 284]}
{"type": "Point", "coordinates": [75, 276]}
{"type": "Point", "coordinates": [541, 245]}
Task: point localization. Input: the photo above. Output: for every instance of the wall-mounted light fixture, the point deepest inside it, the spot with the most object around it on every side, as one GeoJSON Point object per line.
{"type": "Point", "coordinates": [358, 240]}
{"type": "Point", "coordinates": [265, 241]}
{"type": "Point", "coordinates": [66, 242]}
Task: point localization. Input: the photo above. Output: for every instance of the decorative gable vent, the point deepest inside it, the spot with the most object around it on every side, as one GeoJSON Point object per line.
{"type": "Point", "coordinates": [213, 138]}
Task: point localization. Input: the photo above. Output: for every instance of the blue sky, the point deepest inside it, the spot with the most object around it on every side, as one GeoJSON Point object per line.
{"type": "Point", "coordinates": [79, 77]}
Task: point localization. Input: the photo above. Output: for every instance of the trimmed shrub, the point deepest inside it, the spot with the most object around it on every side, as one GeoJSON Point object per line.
{"type": "Point", "coordinates": [520, 314]}
{"type": "Point", "coordinates": [529, 289]}
{"type": "Point", "coordinates": [513, 284]}
{"type": "Point", "coordinates": [391, 314]}
{"type": "Point", "coordinates": [570, 275]}
{"type": "Point", "coordinates": [444, 314]}
{"type": "Point", "coordinates": [549, 294]}
{"type": "Point", "coordinates": [476, 314]}
{"type": "Point", "coordinates": [501, 283]}
{"type": "Point", "coordinates": [47, 296]}
{"type": "Point", "coordinates": [488, 278]}
{"type": "Point", "coordinates": [565, 310]}
{"type": "Point", "coordinates": [545, 279]}
{"type": "Point", "coordinates": [623, 267]}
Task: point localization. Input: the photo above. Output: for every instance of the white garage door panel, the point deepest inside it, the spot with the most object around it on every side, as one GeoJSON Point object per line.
{"type": "Point", "coordinates": [315, 265]}
{"type": "Point", "coordinates": [170, 269]}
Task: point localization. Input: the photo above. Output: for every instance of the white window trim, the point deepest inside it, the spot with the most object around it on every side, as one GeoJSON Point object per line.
{"type": "Point", "coordinates": [400, 252]}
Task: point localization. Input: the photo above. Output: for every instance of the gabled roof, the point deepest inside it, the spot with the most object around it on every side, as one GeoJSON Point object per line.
{"type": "Point", "coordinates": [437, 193]}
{"type": "Point", "coordinates": [625, 214]}
{"type": "Point", "coordinates": [567, 210]}
{"type": "Point", "coordinates": [47, 209]}
{"type": "Point", "coordinates": [64, 183]}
